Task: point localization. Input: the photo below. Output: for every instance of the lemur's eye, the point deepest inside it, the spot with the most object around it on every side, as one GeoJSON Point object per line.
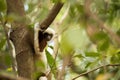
{"type": "Point", "coordinates": [48, 36]}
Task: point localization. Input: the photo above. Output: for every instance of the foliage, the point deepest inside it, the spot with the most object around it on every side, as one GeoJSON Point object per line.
{"type": "Point", "coordinates": [89, 46]}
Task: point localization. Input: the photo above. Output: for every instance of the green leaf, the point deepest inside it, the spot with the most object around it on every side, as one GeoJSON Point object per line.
{"type": "Point", "coordinates": [92, 54]}
{"type": "Point", "coordinates": [88, 64]}
{"type": "Point", "coordinates": [103, 45]}
{"type": "Point", "coordinates": [118, 32]}
{"type": "Point", "coordinates": [51, 47]}
{"type": "Point", "coordinates": [55, 1]}
{"type": "Point", "coordinates": [40, 64]}
{"type": "Point", "coordinates": [2, 5]}
{"type": "Point", "coordinates": [51, 62]}
{"type": "Point", "coordinates": [36, 75]}
{"type": "Point", "coordinates": [79, 56]}
{"type": "Point", "coordinates": [100, 36]}
{"type": "Point", "coordinates": [115, 58]}
{"type": "Point", "coordinates": [2, 43]}
{"type": "Point", "coordinates": [8, 59]}
{"type": "Point", "coordinates": [50, 59]}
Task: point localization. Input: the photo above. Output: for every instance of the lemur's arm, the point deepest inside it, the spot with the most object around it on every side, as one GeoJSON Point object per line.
{"type": "Point", "coordinates": [36, 39]}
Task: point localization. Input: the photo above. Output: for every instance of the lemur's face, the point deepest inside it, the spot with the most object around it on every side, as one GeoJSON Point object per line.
{"type": "Point", "coordinates": [47, 36]}
{"type": "Point", "coordinates": [44, 37]}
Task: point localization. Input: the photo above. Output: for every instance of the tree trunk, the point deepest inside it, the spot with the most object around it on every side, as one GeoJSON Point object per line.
{"type": "Point", "coordinates": [22, 39]}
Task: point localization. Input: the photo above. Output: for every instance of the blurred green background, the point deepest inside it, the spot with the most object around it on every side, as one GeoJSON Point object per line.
{"type": "Point", "coordinates": [78, 36]}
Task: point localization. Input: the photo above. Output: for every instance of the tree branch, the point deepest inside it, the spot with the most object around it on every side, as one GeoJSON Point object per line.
{"type": "Point", "coordinates": [6, 76]}
{"type": "Point", "coordinates": [95, 70]}
{"type": "Point", "coordinates": [51, 16]}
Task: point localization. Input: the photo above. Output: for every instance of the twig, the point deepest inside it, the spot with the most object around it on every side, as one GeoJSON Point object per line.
{"type": "Point", "coordinates": [95, 70]}
{"type": "Point", "coordinates": [61, 73]}
{"type": "Point", "coordinates": [100, 22]}
{"type": "Point", "coordinates": [65, 64]}
{"type": "Point", "coordinates": [6, 76]}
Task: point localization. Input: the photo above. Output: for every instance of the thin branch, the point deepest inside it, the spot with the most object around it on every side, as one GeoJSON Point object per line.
{"type": "Point", "coordinates": [6, 76]}
{"type": "Point", "coordinates": [64, 15]}
{"type": "Point", "coordinates": [61, 73]}
{"type": "Point", "coordinates": [95, 70]}
{"type": "Point", "coordinates": [100, 22]}
{"type": "Point", "coordinates": [65, 64]}
{"type": "Point", "coordinates": [51, 16]}
{"type": "Point", "coordinates": [56, 46]}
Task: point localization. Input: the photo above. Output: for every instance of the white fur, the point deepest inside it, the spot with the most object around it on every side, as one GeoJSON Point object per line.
{"type": "Point", "coordinates": [36, 41]}
{"type": "Point", "coordinates": [36, 44]}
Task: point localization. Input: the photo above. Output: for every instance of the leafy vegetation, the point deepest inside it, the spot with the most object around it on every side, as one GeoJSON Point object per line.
{"type": "Point", "coordinates": [83, 49]}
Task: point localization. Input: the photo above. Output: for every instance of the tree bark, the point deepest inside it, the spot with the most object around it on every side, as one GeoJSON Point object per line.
{"type": "Point", "coordinates": [21, 38]}
{"type": "Point", "coordinates": [51, 16]}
